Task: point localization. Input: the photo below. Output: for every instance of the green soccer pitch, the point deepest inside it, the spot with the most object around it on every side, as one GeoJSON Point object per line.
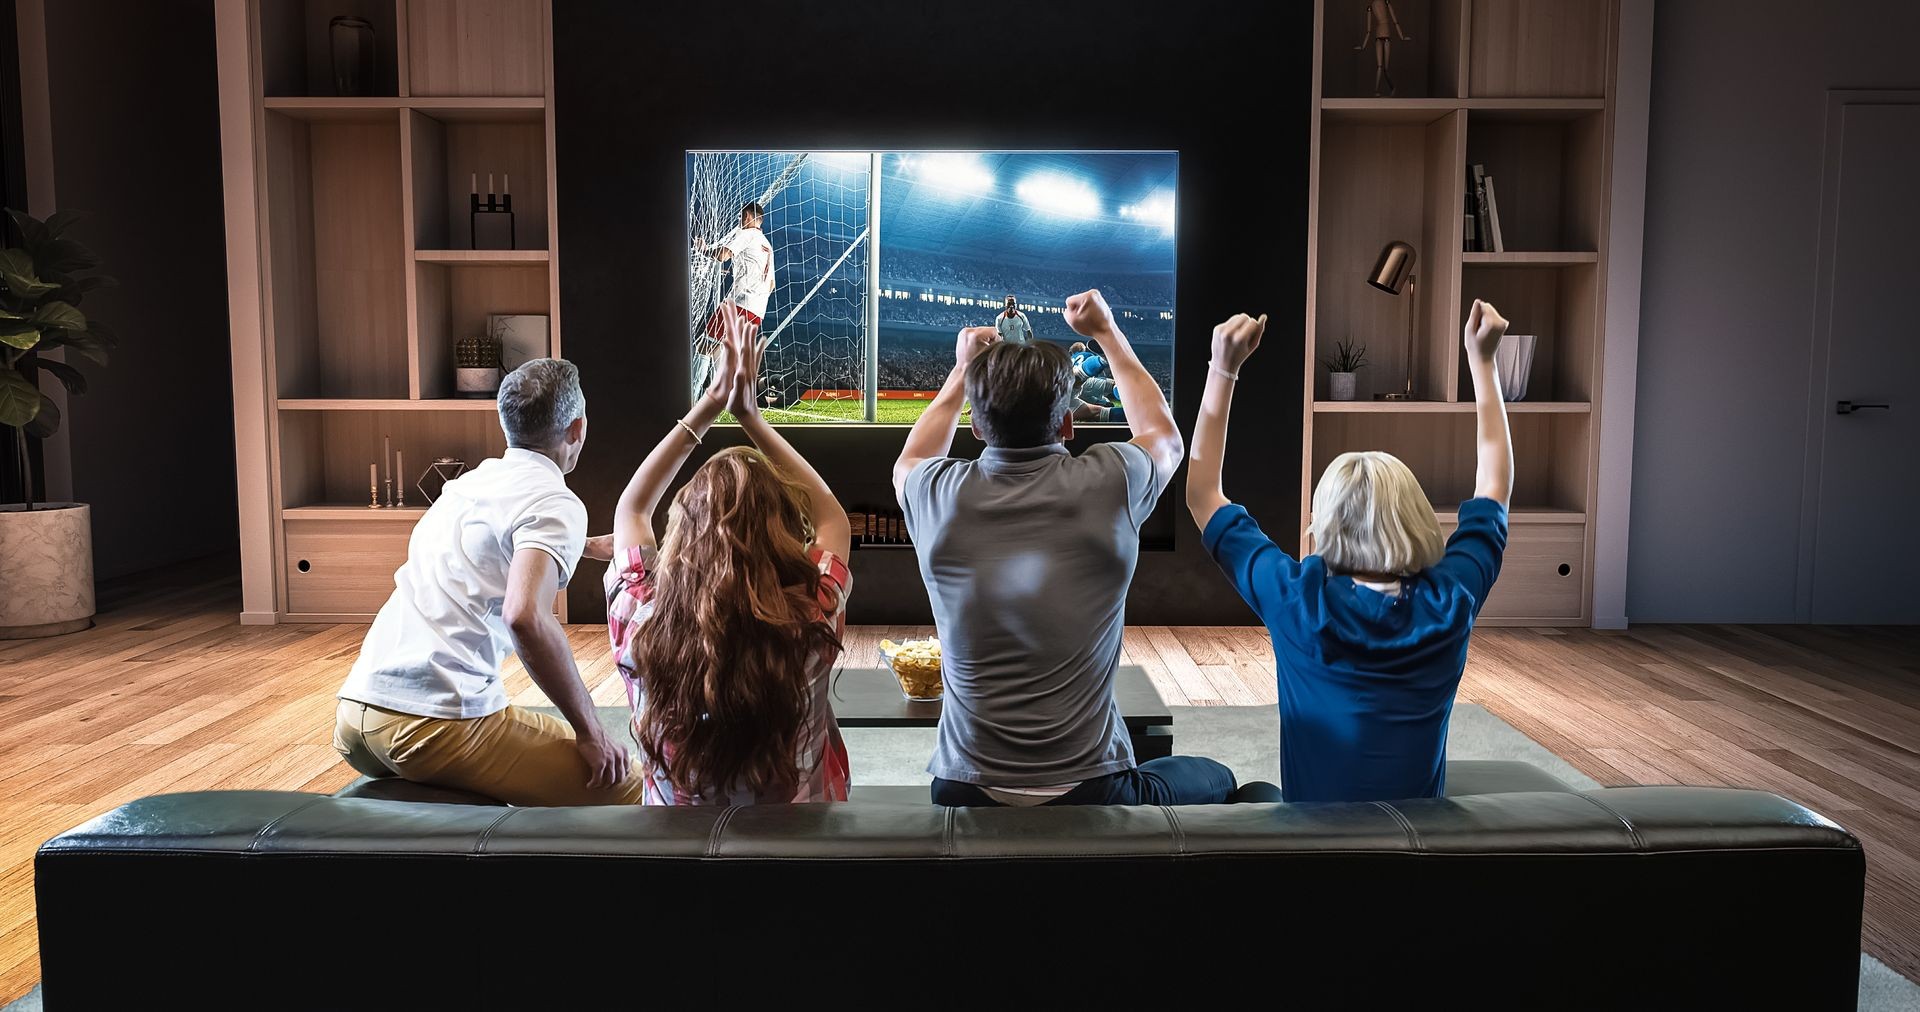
{"type": "Point", "coordinates": [825, 412]}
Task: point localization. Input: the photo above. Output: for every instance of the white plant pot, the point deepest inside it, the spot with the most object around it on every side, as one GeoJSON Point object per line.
{"type": "Point", "coordinates": [46, 569]}
{"type": "Point", "coordinates": [1340, 385]}
{"type": "Point", "coordinates": [476, 382]}
{"type": "Point", "coordinates": [1514, 359]}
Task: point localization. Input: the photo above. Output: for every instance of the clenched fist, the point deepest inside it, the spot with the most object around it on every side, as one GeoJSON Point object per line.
{"type": "Point", "coordinates": [1485, 325]}
{"type": "Point", "coordinates": [1236, 340]}
{"type": "Point", "coordinates": [973, 341]}
{"type": "Point", "coordinates": [1088, 315]}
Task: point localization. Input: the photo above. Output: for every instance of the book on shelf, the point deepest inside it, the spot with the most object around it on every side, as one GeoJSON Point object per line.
{"type": "Point", "coordinates": [1493, 216]}
{"type": "Point", "coordinates": [1477, 193]}
{"type": "Point", "coordinates": [1472, 230]}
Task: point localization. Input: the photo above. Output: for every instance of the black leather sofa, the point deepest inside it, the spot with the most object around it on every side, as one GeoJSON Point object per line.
{"type": "Point", "coordinates": [1514, 891]}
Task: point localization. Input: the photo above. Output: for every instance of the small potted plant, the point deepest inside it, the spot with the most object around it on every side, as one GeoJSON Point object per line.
{"type": "Point", "coordinates": [46, 548]}
{"type": "Point", "coordinates": [1347, 359]}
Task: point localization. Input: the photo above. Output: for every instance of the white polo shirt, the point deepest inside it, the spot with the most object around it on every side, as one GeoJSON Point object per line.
{"type": "Point", "coordinates": [436, 647]}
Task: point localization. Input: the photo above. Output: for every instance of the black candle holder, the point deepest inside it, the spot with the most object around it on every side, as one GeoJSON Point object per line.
{"type": "Point", "coordinates": [493, 204]}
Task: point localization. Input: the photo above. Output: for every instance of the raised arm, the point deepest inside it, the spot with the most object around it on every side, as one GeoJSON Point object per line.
{"type": "Point", "coordinates": [830, 528]}
{"type": "Point", "coordinates": [633, 517]}
{"type": "Point", "coordinates": [533, 580]}
{"type": "Point", "coordinates": [932, 434]}
{"type": "Point", "coordinates": [1233, 343]}
{"type": "Point", "coordinates": [1493, 476]}
{"type": "Point", "coordinates": [1147, 412]}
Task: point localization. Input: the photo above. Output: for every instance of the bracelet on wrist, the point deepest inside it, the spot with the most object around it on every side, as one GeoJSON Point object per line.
{"type": "Point", "coordinates": [683, 424]}
{"type": "Point", "coordinates": [1213, 366]}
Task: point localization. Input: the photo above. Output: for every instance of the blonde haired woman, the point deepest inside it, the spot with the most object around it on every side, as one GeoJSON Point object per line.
{"type": "Point", "coordinates": [1369, 634]}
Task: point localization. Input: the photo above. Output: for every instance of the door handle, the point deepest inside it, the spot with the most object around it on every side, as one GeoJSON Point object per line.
{"type": "Point", "coordinates": [1849, 407]}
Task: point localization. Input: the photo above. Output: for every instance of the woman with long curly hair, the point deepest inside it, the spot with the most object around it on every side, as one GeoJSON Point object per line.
{"type": "Point", "coordinates": [726, 630]}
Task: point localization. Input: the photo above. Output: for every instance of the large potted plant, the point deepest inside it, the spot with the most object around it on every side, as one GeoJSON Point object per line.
{"type": "Point", "coordinates": [46, 548]}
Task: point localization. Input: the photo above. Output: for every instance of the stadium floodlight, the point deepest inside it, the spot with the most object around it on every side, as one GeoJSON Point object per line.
{"type": "Point", "coordinates": [962, 173]}
{"type": "Point", "coordinates": [1157, 209]}
{"type": "Point", "coordinates": [1059, 194]}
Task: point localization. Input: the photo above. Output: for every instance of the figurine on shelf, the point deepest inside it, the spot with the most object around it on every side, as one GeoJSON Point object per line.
{"type": "Point", "coordinates": [476, 371]}
{"type": "Point", "coordinates": [1382, 25]}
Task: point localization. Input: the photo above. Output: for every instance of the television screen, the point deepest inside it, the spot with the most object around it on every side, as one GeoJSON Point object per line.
{"type": "Point", "coordinates": [858, 268]}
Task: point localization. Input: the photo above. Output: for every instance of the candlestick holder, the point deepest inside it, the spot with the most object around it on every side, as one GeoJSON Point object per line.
{"type": "Point", "coordinates": [494, 203]}
{"type": "Point", "coordinates": [389, 483]}
{"type": "Point", "coordinates": [373, 491]}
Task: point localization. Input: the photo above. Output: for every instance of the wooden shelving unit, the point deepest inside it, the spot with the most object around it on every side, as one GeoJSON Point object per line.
{"type": "Point", "coordinates": [1525, 87]}
{"type": "Point", "coordinates": [367, 275]}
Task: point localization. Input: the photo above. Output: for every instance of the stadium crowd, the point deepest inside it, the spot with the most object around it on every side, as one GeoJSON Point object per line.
{"type": "Point", "coordinates": [1048, 326]}
{"type": "Point", "coordinates": [901, 265]}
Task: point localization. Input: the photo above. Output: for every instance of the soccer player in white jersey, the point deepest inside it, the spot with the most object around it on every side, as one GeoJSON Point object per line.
{"type": "Point", "coordinates": [747, 249]}
{"type": "Point", "coordinates": [1012, 324]}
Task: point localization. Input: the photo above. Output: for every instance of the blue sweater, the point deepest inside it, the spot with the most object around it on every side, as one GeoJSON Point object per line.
{"type": "Point", "coordinates": [1366, 679]}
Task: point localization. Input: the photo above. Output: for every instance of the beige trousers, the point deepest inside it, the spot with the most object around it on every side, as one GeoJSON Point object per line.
{"type": "Point", "coordinates": [518, 756]}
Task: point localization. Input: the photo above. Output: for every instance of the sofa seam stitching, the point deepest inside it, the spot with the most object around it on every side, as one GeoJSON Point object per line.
{"type": "Point", "coordinates": [253, 846]}
{"type": "Point", "coordinates": [480, 845]}
{"type": "Point", "coordinates": [1179, 832]}
{"type": "Point", "coordinates": [1406, 825]}
{"type": "Point", "coordinates": [719, 826]}
{"type": "Point", "coordinates": [1632, 833]}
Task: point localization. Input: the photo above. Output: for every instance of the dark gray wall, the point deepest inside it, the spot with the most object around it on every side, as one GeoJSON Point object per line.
{"type": "Point", "coordinates": [1225, 83]}
{"type": "Point", "coordinates": [1726, 322]}
{"type": "Point", "coordinates": [136, 143]}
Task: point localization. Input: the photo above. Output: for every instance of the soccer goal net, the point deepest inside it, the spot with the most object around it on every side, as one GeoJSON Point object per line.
{"type": "Point", "coordinates": [814, 329]}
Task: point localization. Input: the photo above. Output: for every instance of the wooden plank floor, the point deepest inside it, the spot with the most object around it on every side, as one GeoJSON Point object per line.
{"type": "Point", "coordinates": [168, 693]}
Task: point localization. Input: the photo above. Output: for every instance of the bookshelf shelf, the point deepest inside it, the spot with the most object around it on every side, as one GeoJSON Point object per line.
{"type": "Point", "coordinates": [353, 511]}
{"type": "Point", "coordinates": [480, 256]}
{"type": "Point", "coordinates": [1538, 259]}
{"type": "Point", "coordinates": [396, 404]}
{"type": "Point", "coordinates": [1462, 407]}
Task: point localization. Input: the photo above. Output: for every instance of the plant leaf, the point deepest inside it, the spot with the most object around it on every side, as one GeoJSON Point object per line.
{"type": "Point", "coordinates": [106, 336]}
{"type": "Point", "coordinates": [88, 345]}
{"type": "Point", "coordinates": [64, 256]}
{"type": "Point", "coordinates": [19, 399]}
{"type": "Point", "coordinates": [33, 232]}
{"type": "Point", "coordinates": [47, 421]}
{"type": "Point", "coordinates": [16, 270]}
{"type": "Point", "coordinates": [69, 377]}
{"type": "Point", "coordinates": [19, 334]}
{"type": "Point", "coordinates": [61, 315]}
{"type": "Point", "coordinates": [60, 221]}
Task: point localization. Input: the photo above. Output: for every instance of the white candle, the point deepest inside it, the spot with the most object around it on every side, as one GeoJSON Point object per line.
{"type": "Point", "coordinates": [373, 478]}
{"type": "Point", "coordinates": [386, 454]}
{"type": "Point", "coordinates": [473, 185]}
{"type": "Point", "coordinates": [402, 469]}
{"type": "Point", "coordinates": [506, 183]}
{"type": "Point", "coordinates": [490, 190]}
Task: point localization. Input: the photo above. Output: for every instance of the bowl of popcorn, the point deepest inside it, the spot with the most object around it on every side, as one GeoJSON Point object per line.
{"type": "Point", "coordinates": [916, 665]}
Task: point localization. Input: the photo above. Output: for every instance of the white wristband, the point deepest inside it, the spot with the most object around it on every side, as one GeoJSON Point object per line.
{"type": "Point", "coordinates": [683, 424]}
{"type": "Point", "coordinates": [1213, 366]}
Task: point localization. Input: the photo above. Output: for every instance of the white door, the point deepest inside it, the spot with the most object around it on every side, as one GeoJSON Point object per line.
{"type": "Point", "coordinates": [1866, 546]}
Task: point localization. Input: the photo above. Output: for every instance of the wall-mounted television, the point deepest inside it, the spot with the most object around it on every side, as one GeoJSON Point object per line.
{"type": "Point", "coordinates": [856, 269]}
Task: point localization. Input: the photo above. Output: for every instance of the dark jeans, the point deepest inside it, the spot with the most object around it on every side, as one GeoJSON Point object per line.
{"type": "Point", "coordinates": [1175, 780]}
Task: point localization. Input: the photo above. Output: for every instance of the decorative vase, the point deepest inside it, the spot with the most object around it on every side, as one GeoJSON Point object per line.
{"type": "Point", "coordinates": [46, 567]}
{"type": "Point", "coordinates": [1514, 359]}
{"type": "Point", "coordinates": [1340, 385]}
{"type": "Point", "coordinates": [351, 40]}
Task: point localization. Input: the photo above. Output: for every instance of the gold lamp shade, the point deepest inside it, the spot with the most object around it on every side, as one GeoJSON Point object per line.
{"type": "Point", "coordinates": [1395, 266]}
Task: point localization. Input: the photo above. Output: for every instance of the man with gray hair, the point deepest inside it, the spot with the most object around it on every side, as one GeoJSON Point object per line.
{"type": "Point", "coordinates": [425, 700]}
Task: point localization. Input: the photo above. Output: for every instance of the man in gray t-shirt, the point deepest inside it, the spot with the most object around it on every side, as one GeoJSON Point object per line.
{"type": "Point", "coordinates": [1027, 554]}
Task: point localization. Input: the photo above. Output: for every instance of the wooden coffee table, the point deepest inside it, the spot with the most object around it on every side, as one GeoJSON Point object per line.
{"type": "Point", "coordinates": [870, 697]}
